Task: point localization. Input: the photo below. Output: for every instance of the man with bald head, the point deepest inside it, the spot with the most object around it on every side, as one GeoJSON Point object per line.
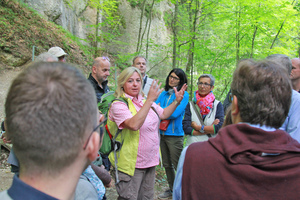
{"type": "Point", "coordinates": [98, 76]}
{"type": "Point", "coordinates": [295, 74]}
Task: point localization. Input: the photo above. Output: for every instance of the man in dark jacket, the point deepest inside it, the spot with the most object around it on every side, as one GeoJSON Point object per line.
{"type": "Point", "coordinates": [98, 76]}
{"type": "Point", "coordinates": [252, 158]}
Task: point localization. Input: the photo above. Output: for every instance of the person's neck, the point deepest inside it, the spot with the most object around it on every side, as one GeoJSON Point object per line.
{"type": "Point", "coordinates": [296, 84]}
{"type": "Point", "coordinates": [99, 83]}
{"type": "Point", "coordinates": [202, 95]}
{"type": "Point", "coordinates": [60, 186]}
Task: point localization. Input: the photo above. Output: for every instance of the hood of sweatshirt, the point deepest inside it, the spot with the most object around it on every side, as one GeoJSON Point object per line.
{"type": "Point", "coordinates": [244, 144]}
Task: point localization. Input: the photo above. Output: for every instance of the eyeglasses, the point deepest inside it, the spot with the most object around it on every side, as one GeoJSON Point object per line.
{"type": "Point", "coordinates": [98, 129]}
{"type": "Point", "coordinates": [204, 84]}
{"type": "Point", "coordinates": [106, 58]}
{"type": "Point", "coordinates": [173, 77]}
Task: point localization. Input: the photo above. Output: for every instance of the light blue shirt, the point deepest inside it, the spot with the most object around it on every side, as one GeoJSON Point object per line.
{"type": "Point", "coordinates": [178, 179]}
{"type": "Point", "coordinates": [292, 122]}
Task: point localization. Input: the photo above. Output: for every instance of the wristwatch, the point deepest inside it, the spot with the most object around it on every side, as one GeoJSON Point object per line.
{"type": "Point", "coordinates": [202, 129]}
{"type": "Point", "coordinates": [176, 102]}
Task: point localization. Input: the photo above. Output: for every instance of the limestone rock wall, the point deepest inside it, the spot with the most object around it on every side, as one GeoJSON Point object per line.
{"type": "Point", "coordinates": [158, 30]}
{"type": "Point", "coordinates": [73, 15]}
{"type": "Point", "coordinates": [76, 16]}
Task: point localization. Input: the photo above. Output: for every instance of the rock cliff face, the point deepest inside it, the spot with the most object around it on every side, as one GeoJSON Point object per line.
{"type": "Point", "coordinates": [158, 30]}
{"type": "Point", "coordinates": [76, 16]}
{"type": "Point", "coordinates": [68, 14]}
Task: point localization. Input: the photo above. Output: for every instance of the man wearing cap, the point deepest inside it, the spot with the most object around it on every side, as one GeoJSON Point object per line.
{"type": "Point", "coordinates": [295, 74]}
{"type": "Point", "coordinates": [98, 76]}
{"type": "Point", "coordinates": [140, 62]}
{"type": "Point", "coordinates": [59, 53]}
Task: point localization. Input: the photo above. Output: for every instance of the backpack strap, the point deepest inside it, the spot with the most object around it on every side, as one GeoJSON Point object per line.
{"type": "Point", "coordinates": [116, 144]}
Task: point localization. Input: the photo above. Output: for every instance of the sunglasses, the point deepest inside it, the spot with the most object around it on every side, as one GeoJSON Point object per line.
{"type": "Point", "coordinates": [106, 58]}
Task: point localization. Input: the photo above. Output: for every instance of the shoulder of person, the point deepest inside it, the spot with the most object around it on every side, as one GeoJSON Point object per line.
{"type": "Point", "coordinates": [186, 93]}
{"type": "Point", "coordinates": [4, 195]}
{"type": "Point", "coordinates": [85, 189]}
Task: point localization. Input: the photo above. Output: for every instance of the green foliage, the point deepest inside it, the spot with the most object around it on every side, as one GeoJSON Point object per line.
{"type": "Point", "coordinates": [135, 3]}
{"type": "Point", "coordinates": [215, 35]}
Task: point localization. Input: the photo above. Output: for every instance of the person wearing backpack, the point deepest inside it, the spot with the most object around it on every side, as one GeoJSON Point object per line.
{"type": "Point", "coordinates": [98, 79]}
{"type": "Point", "coordinates": [139, 121]}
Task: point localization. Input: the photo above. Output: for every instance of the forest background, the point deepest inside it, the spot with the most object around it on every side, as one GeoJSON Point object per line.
{"type": "Point", "coordinates": [204, 36]}
{"type": "Point", "coordinates": [208, 36]}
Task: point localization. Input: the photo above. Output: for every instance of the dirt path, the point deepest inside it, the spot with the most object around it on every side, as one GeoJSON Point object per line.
{"type": "Point", "coordinates": [6, 77]}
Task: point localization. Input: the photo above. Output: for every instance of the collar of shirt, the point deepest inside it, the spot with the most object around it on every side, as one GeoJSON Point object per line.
{"type": "Point", "coordinates": [263, 127]}
{"type": "Point", "coordinates": [138, 100]}
{"type": "Point", "coordinates": [145, 77]}
{"type": "Point", "coordinates": [21, 190]}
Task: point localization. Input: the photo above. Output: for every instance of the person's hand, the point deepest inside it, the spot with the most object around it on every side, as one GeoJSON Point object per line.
{"type": "Point", "coordinates": [102, 118]}
{"type": "Point", "coordinates": [154, 91]}
{"type": "Point", "coordinates": [179, 94]}
{"type": "Point", "coordinates": [109, 185]}
{"type": "Point", "coordinates": [194, 125]}
{"type": "Point", "coordinates": [216, 122]}
{"type": "Point", "coordinates": [5, 138]}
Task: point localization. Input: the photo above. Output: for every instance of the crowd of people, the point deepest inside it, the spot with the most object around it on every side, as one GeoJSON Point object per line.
{"type": "Point", "coordinates": [53, 121]}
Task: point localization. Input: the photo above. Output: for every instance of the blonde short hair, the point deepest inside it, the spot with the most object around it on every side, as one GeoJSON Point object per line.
{"type": "Point", "coordinates": [123, 77]}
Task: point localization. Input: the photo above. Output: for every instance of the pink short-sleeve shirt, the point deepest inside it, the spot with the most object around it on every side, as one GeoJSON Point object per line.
{"type": "Point", "coordinates": [148, 149]}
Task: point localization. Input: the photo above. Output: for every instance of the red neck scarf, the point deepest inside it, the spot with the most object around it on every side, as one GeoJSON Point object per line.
{"type": "Point", "coordinates": [205, 103]}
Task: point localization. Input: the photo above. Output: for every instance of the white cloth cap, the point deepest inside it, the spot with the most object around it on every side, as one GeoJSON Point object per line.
{"type": "Point", "coordinates": [57, 51]}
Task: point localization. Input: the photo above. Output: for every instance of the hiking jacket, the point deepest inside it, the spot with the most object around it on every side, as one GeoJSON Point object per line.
{"type": "Point", "coordinates": [175, 126]}
{"type": "Point", "coordinates": [99, 91]}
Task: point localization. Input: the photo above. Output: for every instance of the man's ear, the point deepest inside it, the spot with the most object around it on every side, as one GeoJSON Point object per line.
{"type": "Point", "coordinates": [94, 70]}
{"type": "Point", "coordinates": [234, 107]}
{"type": "Point", "coordinates": [93, 146]}
{"type": "Point", "coordinates": [235, 111]}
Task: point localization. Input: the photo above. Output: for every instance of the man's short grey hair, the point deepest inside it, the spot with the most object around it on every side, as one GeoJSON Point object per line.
{"type": "Point", "coordinates": [212, 78]}
{"type": "Point", "coordinates": [46, 57]}
{"type": "Point", "coordinates": [282, 60]}
{"type": "Point", "coordinates": [139, 56]}
{"type": "Point", "coordinates": [51, 109]}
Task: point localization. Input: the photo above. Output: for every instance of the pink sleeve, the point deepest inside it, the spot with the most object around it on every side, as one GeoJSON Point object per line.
{"type": "Point", "coordinates": [158, 109]}
{"type": "Point", "coordinates": [119, 112]}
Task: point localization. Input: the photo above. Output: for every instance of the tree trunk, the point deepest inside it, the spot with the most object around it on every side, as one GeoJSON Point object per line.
{"type": "Point", "coordinates": [140, 29]}
{"type": "Point", "coordinates": [175, 34]}
{"type": "Point", "coordinates": [237, 38]}
{"type": "Point", "coordinates": [253, 39]}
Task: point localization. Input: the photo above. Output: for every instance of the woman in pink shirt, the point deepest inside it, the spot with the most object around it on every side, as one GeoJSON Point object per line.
{"type": "Point", "coordinates": [139, 121]}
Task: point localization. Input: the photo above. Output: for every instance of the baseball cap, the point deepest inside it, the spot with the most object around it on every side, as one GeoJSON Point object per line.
{"type": "Point", "coordinates": [57, 51]}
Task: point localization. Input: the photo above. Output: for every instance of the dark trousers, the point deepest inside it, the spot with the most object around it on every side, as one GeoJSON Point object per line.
{"type": "Point", "coordinates": [171, 147]}
{"type": "Point", "coordinates": [106, 162]}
